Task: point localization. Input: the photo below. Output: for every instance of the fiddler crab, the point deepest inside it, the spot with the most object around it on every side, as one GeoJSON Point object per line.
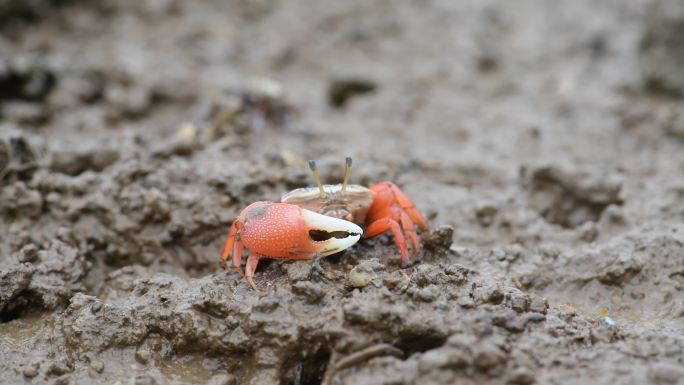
{"type": "Point", "coordinates": [313, 222]}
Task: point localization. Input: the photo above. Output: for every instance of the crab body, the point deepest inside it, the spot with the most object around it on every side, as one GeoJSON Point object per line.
{"type": "Point", "coordinates": [311, 222]}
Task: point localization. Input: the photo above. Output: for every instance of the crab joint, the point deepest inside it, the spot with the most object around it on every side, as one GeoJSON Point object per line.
{"type": "Point", "coordinates": [317, 178]}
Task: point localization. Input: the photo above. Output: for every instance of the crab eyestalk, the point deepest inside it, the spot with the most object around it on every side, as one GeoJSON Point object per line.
{"type": "Point", "coordinates": [317, 178]}
{"type": "Point", "coordinates": [347, 171]}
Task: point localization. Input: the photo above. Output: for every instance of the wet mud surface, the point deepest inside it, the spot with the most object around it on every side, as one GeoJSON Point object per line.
{"type": "Point", "coordinates": [543, 142]}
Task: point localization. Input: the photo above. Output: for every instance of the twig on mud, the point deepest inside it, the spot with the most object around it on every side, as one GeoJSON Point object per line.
{"type": "Point", "coordinates": [378, 350]}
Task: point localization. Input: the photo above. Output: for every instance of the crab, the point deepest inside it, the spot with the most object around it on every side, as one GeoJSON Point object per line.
{"type": "Point", "coordinates": [313, 222]}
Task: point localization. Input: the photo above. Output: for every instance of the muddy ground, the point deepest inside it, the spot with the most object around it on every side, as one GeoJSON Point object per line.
{"type": "Point", "coordinates": [544, 142]}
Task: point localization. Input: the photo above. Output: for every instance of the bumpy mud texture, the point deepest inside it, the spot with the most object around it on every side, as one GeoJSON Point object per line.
{"type": "Point", "coordinates": [132, 133]}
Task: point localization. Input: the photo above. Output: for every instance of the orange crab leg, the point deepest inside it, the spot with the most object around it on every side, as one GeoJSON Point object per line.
{"type": "Point", "coordinates": [250, 268]}
{"type": "Point", "coordinates": [410, 231]}
{"type": "Point", "coordinates": [237, 253]}
{"type": "Point", "coordinates": [228, 246]}
{"type": "Point", "coordinates": [388, 193]}
{"type": "Point", "coordinates": [388, 224]}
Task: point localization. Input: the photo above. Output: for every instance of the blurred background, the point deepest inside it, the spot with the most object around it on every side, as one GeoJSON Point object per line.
{"type": "Point", "coordinates": [547, 134]}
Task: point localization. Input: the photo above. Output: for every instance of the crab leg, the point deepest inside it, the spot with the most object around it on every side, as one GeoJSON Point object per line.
{"type": "Point", "coordinates": [250, 268]}
{"type": "Point", "coordinates": [410, 231]}
{"type": "Point", "coordinates": [228, 246]}
{"type": "Point", "coordinates": [388, 193]}
{"type": "Point", "coordinates": [237, 253]}
{"type": "Point", "coordinates": [388, 224]}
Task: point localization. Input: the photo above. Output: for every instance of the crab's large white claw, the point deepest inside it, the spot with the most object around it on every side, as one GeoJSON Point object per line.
{"type": "Point", "coordinates": [343, 234]}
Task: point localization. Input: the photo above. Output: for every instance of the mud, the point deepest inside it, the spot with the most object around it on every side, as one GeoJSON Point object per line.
{"type": "Point", "coordinates": [543, 142]}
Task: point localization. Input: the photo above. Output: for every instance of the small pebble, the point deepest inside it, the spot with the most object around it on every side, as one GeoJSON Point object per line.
{"type": "Point", "coordinates": [222, 379]}
{"type": "Point", "coordinates": [360, 276]}
{"type": "Point", "coordinates": [431, 360]}
{"type": "Point", "coordinates": [142, 356]}
{"type": "Point", "coordinates": [96, 307]}
{"type": "Point", "coordinates": [58, 368]}
{"type": "Point", "coordinates": [32, 370]}
{"type": "Point", "coordinates": [98, 366]}
{"type": "Point", "coordinates": [538, 304]}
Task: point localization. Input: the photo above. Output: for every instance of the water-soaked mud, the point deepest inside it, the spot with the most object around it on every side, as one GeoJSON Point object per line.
{"type": "Point", "coordinates": [542, 141]}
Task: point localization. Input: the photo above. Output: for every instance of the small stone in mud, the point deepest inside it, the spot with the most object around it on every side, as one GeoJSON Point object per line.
{"type": "Point", "coordinates": [491, 293]}
{"type": "Point", "coordinates": [538, 304]}
{"type": "Point", "coordinates": [519, 302]}
{"type": "Point", "coordinates": [32, 370]}
{"type": "Point", "coordinates": [97, 366]}
{"type": "Point", "coordinates": [96, 307]}
{"type": "Point", "coordinates": [59, 368]}
{"type": "Point", "coordinates": [143, 356]}
{"type": "Point", "coordinates": [360, 276]}
{"type": "Point", "coordinates": [28, 253]}
{"type": "Point", "coordinates": [434, 359]}
{"type": "Point", "coordinates": [485, 214]}
{"type": "Point", "coordinates": [222, 379]}
{"type": "Point", "coordinates": [313, 292]}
